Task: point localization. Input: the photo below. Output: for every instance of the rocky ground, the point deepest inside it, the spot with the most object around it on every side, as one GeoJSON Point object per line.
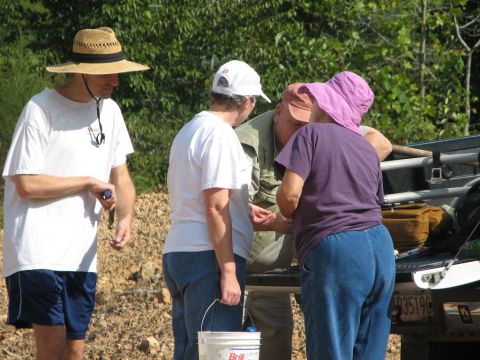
{"type": "Point", "coordinates": [132, 317]}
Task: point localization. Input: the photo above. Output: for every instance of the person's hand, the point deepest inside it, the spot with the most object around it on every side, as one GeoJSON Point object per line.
{"type": "Point", "coordinates": [282, 224]}
{"type": "Point", "coordinates": [123, 234]}
{"type": "Point", "coordinates": [97, 188]}
{"type": "Point", "coordinates": [260, 216]}
{"type": "Point", "coordinates": [231, 292]}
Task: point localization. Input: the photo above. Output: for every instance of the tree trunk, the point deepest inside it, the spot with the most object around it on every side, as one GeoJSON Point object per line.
{"type": "Point", "coordinates": [423, 34]}
{"type": "Point", "coordinates": [468, 111]}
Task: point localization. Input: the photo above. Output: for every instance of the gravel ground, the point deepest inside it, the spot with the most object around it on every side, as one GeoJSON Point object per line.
{"type": "Point", "coordinates": [132, 317]}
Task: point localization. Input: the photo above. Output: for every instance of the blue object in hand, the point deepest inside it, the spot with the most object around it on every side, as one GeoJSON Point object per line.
{"type": "Point", "coordinates": [107, 194]}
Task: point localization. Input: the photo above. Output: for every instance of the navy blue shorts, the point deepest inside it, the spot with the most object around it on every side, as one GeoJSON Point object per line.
{"type": "Point", "coordinates": [46, 297]}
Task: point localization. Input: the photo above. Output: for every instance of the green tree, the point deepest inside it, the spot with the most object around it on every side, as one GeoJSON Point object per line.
{"type": "Point", "coordinates": [468, 34]}
{"type": "Point", "coordinates": [406, 49]}
{"type": "Point", "coordinates": [21, 69]}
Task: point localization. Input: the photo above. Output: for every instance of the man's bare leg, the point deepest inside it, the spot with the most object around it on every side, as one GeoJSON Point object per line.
{"type": "Point", "coordinates": [74, 349]}
{"type": "Point", "coordinates": [50, 341]}
{"type": "Point", "coordinates": [52, 344]}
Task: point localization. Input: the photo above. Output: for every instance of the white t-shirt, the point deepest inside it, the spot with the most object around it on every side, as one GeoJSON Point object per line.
{"type": "Point", "coordinates": [53, 136]}
{"type": "Point", "coordinates": [205, 154]}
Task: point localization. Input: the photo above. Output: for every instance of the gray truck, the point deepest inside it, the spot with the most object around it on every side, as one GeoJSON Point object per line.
{"type": "Point", "coordinates": [436, 302]}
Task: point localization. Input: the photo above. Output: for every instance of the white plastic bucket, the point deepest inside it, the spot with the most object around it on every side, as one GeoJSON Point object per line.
{"type": "Point", "coordinates": [228, 345]}
{"type": "Point", "coordinates": [232, 345]}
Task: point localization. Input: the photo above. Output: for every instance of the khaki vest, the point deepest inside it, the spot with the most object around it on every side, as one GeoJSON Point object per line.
{"type": "Point", "coordinates": [259, 135]}
{"type": "Point", "coordinates": [270, 250]}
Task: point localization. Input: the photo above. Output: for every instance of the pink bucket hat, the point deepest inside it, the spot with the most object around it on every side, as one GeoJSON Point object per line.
{"type": "Point", "coordinates": [345, 97]}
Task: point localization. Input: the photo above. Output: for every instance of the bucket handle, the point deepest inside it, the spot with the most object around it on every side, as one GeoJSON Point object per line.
{"type": "Point", "coordinates": [213, 303]}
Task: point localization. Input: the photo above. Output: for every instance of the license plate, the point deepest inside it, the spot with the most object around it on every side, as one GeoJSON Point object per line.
{"type": "Point", "coordinates": [412, 307]}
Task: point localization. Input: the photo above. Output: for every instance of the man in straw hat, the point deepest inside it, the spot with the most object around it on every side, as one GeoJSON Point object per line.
{"type": "Point", "coordinates": [66, 162]}
{"type": "Point", "coordinates": [262, 138]}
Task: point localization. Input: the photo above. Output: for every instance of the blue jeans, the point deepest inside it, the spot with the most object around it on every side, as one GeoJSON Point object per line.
{"type": "Point", "coordinates": [193, 279]}
{"type": "Point", "coordinates": [347, 282]}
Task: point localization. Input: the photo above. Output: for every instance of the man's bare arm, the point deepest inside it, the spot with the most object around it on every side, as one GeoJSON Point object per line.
{"type": "Point", "coordinates": [380, 143]}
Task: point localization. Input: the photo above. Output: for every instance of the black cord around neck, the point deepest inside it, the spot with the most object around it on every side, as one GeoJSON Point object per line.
{"type": "Point", "coordinates": [99, 138]}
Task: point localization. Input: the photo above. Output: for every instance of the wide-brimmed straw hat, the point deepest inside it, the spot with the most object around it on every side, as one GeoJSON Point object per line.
{"type": "Point", "coordinates": [97, 52]}
{"type": "Point", "coordinates": [345, 97]}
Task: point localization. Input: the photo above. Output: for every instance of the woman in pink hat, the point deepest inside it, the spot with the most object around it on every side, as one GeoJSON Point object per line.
{"type": "Point", "coordinates": [332, 188]}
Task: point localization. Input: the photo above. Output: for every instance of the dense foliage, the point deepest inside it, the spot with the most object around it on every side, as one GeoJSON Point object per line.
{"type": "Point", "coordinates": [407, 49]}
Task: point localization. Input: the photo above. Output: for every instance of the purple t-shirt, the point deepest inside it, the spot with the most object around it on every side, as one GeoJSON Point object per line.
{"type": "Point", "coordinates": [343, 183]}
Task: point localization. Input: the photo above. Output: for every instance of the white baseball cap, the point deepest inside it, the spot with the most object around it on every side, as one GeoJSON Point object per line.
{"type": "Point", "coordinates": [237, 78]}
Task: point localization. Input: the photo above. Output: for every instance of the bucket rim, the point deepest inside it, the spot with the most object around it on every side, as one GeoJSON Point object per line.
{"type": "Point", "coordinates": [245, 334]}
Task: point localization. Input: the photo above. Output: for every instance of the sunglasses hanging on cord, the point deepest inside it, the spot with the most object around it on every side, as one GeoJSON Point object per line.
{"type": "Point", "coordinates": [99, 137]}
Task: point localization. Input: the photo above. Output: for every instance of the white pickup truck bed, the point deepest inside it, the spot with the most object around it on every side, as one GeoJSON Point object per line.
{"type": "Point", "coordinates": [438, 315]}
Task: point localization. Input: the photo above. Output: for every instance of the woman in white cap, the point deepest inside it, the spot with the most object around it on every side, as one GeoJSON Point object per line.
{"type": "Point", "coordinates": [332, 188]}
{"type": "Point", "coordinates": [69, 146]}
{"type": "Point", "coordinates": [210, 236]}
